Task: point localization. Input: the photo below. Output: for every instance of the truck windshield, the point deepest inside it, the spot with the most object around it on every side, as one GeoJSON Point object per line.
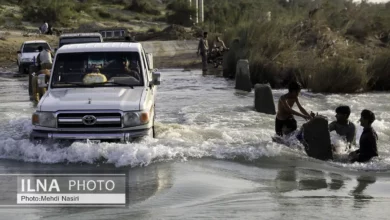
{"type": "Point", "coordinates": [33, 47]}
{"type": "Point", "coordinates": [97, 69]}
{"type": "Point", "coordinates": [79, 40]}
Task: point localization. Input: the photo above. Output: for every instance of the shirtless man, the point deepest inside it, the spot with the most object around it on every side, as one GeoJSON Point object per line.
{"type": "Point", "coordinates": [219, 44]}
{"type": "Point", "coordinates": [343, 126]}
{"type": "Point", "coordinates": [285, 122]}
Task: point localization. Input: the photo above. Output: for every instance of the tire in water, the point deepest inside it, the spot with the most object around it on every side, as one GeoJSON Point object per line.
{"type": "Point", "coordinates": [316, 139]}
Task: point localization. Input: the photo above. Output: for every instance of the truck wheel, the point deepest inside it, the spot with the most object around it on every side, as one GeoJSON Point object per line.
{"type": "Point", "coordinates": [37, 97]}
{"type": "Point", "coordinates": [29, 84]}
{"type": "Point", "coordinates": [153, 128]}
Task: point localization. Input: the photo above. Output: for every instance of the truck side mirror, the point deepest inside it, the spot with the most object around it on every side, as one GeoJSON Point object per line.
{"type": "Point", "coordinates": [156, 78]}
{"type": "Point", "coordinates": [42, 81]}
{"type": "Point", "coordinates": [149, 58]}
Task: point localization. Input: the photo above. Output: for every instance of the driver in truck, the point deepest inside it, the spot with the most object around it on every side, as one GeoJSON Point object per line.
{"type": "Point", "coordinates": [131, 69]}
{"type": "Point", "coordinates": [128, 68]}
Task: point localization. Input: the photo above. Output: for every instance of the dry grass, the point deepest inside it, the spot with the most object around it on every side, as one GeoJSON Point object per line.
{"type": "Point", "coordinates": [339, 75]}
{"type": "Point", "coordinates": [326, 53]}
{"type": "Point", "coordinates": [12, 43]}
{"type": "Point", "coordinates": [379, 72]}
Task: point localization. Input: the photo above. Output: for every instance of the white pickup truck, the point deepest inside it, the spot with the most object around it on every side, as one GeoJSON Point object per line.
{"type": "Point", "coordinates": [28, 53]}
{"type": "Point", "coordinates": [98, 91]}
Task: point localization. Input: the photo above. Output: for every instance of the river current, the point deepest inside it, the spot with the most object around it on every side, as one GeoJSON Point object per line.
{"type": "Point", "coordinates": [213, 157]}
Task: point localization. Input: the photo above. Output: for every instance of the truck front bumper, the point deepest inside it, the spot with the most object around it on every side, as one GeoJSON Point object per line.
{"type": "Point", "coordinates": [24, 67]}
{"type": "Point", "coordinates": [123, 136]}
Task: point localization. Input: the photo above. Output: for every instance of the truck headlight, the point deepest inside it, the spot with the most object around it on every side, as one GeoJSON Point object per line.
{"type": "Point", "coordinates": [44, 119]}
{"type": "Point", "coordinates": [26, 60]}
{"type": "Point", "coordinates": [131, 119]}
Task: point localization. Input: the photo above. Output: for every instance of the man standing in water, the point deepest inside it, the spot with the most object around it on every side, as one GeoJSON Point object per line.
{"type": "Point", "coordinates": [343, 126]}
{"type": "Point", "coordinates": [203, 48]}
{"type": "Point", "coordinates": [368, 147]}
{"type": "Point", "coordinates": [45, 58]}
{"type": "Point", "coordinates": [285, 122]}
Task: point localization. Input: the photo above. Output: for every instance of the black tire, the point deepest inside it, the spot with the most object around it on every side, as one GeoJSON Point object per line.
{"type": "Point", "coordinates": [153, 127]}
{"type": "Point", "coordinates": [30, 85]}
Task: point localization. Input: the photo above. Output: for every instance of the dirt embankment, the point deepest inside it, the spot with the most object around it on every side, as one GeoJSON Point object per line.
{"type": "Point", "coordinates": [11, 41]}
{"type": "Point", "coordinates": [167, 54]}
{"type": "Point", "coordinates": [174, 54]}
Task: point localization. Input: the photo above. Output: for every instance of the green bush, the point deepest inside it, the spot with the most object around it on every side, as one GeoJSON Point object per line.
{"type": "Point", "coordinates": [338, 75]}
{"type": "Point", "coordinates": [160, 18]}
{"type": "Point", "coordinates": [121, 18]}
{"type": "Point", "coordinates": [154, 30]}
{"type": "Point", "coordinates": [54, 12]}
{"type": "Point", "coordinates": [379, 72]}
{"type": "Point", "coordinates": [143, 6]}
{"type": "Point", "coordinates": [317, 51]}
{"type": "Point", "coordinates": [104, 14]}
{"type": "Point", "coordinates": [84, 6]}
{"type": "Point", "coordinates": [180, 13]}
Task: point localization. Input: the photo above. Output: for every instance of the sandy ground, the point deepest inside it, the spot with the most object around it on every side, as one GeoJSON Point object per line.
{"type": "Point", "coordinates": [11, 41]}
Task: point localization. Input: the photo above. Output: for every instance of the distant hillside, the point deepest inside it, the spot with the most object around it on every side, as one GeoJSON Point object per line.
{"type": "Point", "coordinates": [328, 45]}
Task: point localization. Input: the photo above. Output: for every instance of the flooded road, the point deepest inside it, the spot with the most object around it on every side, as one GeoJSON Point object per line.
{"type": "Point", "coordinates": [213, 158]}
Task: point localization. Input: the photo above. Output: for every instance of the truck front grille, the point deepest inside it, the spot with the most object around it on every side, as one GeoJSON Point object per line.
{"type": "Point", "coordinates": [89, 120]}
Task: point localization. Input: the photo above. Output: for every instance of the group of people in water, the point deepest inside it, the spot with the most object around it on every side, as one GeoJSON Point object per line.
{"type": "Point", "coordinates": [285, 124]}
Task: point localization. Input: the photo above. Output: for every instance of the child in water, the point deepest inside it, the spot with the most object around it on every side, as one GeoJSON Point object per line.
{"type": "Point", "coordinates": [285, 122]}
{"type": "Point", "coordinates": [368, 146]}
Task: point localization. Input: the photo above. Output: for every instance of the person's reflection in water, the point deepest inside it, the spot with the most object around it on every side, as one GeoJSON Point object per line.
{"type": "Point", "coordinates": [286, 181]}
{"type": "Point", "coordinates": [358, 193]}
{"type": "Point", "coordinates": [336, 181]}
{"type": "Point", "coordinates": [315, 181]}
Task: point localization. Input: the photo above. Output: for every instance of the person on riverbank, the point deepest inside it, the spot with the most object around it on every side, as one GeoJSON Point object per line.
{"type": "Point", "coordinates": [368, 139]}
{"type": "Point", "coordinates": [217, 49]}
{"type": "Point", "coordinates": [203, 48]}
{"type": "Point", "coordinates": [285, 122]}
{"type": "Point", "coordinates": [219, 44]}
{"type": "Point", "coordinates": [343, 126]}
{"type": "Point", "coordinates": [44, 28]}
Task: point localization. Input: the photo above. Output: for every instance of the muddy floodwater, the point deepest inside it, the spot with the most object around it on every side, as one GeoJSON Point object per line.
{"type": "Point", "coordinates": [213, 158]}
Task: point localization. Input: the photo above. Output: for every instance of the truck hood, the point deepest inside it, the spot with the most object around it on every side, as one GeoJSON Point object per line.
{"type": "Point", "coordinates": [98, 98]}
{"type": "Point", "coordinates": [29, 55]}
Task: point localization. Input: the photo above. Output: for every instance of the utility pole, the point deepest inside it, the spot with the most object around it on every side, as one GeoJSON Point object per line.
{"type": "Point", "coordinates": [201, 11]}
{"type": "Point", "coordinates": [197, 11]}
{"type": "Point", "coordinates": [190, 1]}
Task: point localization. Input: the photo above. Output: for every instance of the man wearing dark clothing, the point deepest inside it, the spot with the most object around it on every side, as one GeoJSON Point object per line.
{"type": "Point", "coordinates": [203, 48]}
{"type": "Point", "coordinates": [368, 139]}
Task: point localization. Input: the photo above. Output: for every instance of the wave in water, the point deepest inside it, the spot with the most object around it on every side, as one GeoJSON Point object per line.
{"type": "Point", "coordinates": [174, 142]}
